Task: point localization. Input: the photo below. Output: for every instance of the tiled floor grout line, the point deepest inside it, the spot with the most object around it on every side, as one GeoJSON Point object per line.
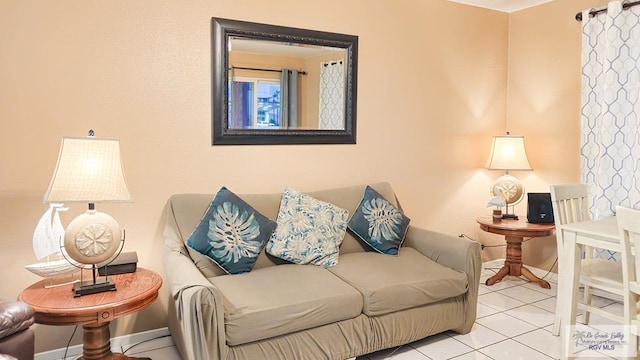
{"type": "Point", "coordinates": [537, 327]}
{"type": "Point", "coordinates": [503, 340]}
{"type": "Point", "coordinates": [464, 353]}
{"type": "Point", "coordinates": [479, 348]}
{"type": "Point", "coordinates": [504, 311]}
{"type": "Point", "coordinates": [527, 345]}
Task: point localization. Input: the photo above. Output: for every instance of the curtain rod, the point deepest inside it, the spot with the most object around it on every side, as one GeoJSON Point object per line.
{"type": "Point", "coordinates": [595, 12]}
{"type": "Point", "coordinates": [257, 69]}
{"type": "Point", "coordinates": [332, 63]}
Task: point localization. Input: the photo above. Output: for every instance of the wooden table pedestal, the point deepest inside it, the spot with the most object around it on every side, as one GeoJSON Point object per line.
{"type": "Point", "coordinates": [514, 232]}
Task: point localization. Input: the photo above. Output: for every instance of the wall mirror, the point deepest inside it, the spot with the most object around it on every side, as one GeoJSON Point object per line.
{"type": "Point", "coordinates": [281, 85]}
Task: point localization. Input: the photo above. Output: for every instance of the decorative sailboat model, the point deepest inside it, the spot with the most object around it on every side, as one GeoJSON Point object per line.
{"type": "Point", "coordinates": [46, 246]}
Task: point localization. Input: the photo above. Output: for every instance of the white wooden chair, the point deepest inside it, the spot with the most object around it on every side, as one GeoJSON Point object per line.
{"type": "Point", "coordinates": [629, 228]}
{"type": "Point", "coordinates": [570, 204]}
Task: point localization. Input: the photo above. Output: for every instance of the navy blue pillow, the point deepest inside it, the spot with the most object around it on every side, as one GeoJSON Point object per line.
{"type": "Point", "coordinates": [231, 233]}
{"type": "Point", "coordinates": [378, 223]}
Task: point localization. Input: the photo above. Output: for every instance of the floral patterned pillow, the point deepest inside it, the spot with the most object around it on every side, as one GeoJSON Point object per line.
{"type": "Point", "coordinates": [231, 233]}
{"type": "Point", "coordinates": [309, 231]}
{"type": "Point", "coordinates": [378, 223]}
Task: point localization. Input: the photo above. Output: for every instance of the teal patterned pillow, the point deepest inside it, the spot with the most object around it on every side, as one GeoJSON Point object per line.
{"type": "Point", "coordinates": [378, 223]}
{"type": "Point", "coordinates": [231, 233]}
{"type": "Point", "coordinates": [309, 231]}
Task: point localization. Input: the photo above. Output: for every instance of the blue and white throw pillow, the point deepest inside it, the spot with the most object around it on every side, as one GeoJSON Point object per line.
{"type": "Point", "coordinates": [231, 233]}
{"type": "Point", "coordinates": [378, 223]}
{"type": "Point", "coordinates": [309, 231]}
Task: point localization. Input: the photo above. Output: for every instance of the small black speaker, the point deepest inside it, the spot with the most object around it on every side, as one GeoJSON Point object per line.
{"type": "Point", "coordinates": [539, 209]}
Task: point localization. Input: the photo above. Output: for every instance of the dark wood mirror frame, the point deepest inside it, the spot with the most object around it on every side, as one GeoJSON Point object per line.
{"type": "Point", "coordinates": [223, 29]}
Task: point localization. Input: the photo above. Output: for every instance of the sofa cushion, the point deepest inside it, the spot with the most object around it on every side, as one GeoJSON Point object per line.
{"type": "Point", "coordinates": [392, 283]}
{"type": "Point", "coordinates": [378, 223]}
{"type": "Point", "coordinates": [281, 299]}
{"type": "Point", "coordinates": [309, 231]}
{"type": "Point", "coordinates": [231, 233]}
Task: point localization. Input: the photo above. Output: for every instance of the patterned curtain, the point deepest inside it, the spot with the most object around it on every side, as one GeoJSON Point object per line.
{"type": "Point", "coordinates": [332, 95]}
{"type": "Point", "coordinates": [610, 136]}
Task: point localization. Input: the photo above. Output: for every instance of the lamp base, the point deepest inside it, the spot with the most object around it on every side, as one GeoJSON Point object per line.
{"type": "Point", "coordinates": [509, 187]}
{"type": "Point", "coordinates": [92, 237]}
{"type": "Point", "coordinates": [89, 287]}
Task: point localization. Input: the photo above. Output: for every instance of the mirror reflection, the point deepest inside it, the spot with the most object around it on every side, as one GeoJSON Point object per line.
{"type": "Point", "coordinates": [285, 85]}
{"type": "Point", "coordinates": [282, 85]}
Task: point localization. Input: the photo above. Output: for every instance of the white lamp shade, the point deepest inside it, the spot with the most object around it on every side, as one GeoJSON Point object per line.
{"type": "Point", "coordinates": [508, 153]}
{"type": "Point", "coordinates": [88, 170]}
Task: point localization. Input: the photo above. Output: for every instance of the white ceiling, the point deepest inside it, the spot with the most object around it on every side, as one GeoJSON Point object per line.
{"type": "Point", "coordinates": [503, 5]}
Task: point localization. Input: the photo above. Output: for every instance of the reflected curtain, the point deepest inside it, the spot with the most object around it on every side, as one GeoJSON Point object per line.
{"type": "Point", "coordinates": [289, 99]}
{"type": "Point", "coordinates": [332, 96]}
{"type": "Point", "coordinates": [241, 108]}
{"type": "Point", "coordinates": [610, 135]}
{"type": "Point", "coordinates": [240, 104]}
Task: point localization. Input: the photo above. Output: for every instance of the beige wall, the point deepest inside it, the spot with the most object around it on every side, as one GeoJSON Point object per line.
{"type": "Point", "coordinates": [543, 104]}
{"type": "Point", "coordinates": [432, 90]}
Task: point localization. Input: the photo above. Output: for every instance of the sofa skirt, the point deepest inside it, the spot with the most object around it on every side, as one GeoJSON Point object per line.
{"type": "Point", "coordinates": [358, 336]}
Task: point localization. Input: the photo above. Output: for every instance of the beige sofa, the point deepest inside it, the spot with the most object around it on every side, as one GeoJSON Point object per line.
{"type": "Point", "coordinates": [366, 303]}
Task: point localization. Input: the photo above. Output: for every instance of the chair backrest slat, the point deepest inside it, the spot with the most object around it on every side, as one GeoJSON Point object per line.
{"type": "Point", "coordinates": [629, 228]}
{"type": "Point", "coordinates": [570, 203]}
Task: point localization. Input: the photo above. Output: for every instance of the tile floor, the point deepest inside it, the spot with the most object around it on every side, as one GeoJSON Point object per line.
{"type": "Point", "coordinates": [514, 322]}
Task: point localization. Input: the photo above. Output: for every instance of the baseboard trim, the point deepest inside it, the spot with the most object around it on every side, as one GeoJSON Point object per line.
{"type": "Point", "coordinates": [132, 344]}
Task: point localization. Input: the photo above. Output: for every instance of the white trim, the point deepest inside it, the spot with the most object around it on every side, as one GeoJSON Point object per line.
{"type": "Point", "coordinates": [118, 344]}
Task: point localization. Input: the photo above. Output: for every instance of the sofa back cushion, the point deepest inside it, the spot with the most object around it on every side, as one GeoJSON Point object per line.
{"type": "Point", "coordinates": [187, 211]}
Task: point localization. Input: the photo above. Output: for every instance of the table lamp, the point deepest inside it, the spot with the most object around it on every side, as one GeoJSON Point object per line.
{"type": "Point", "coordinates": [89, 170]}
{"type": "Point", "coordinates": [508, 153]}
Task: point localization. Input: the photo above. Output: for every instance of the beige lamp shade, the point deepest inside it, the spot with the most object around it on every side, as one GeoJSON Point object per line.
{"type": "Point", "coordinates": [88, 170]}
{"type": "Point", "coordinates": [508, 153]}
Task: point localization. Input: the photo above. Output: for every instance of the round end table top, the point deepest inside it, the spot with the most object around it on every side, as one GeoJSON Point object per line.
{"type": "Point", "coordinates": [58, 306]}
{"type": "Point", "coordinates": [514, 227]}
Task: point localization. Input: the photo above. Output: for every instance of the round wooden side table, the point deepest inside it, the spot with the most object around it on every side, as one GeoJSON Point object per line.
{"type": "Point", "coordinates": [514, 232]}
{"type": "Point", "coordinates": [58, 306]}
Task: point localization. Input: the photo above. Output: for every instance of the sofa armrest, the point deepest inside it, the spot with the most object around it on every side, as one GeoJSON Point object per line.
{"type": "Point", "coordinates": [448, 250]}
{"type": "Point", "coordinates": [15, 316]}
{"type": "Point", "coordinates": [456, 253]}
{"type": "Point", "coordinates": [196, 315]}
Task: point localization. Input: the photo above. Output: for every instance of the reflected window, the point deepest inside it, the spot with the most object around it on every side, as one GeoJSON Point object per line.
{"type": "Point", "coordinates": [254, 103]}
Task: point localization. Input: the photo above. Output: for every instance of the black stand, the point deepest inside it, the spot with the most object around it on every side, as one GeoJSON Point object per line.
{"type": "Point", "coordinates": [93, 287]}
{"type": "Point", "coordinates": [506, 214]}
